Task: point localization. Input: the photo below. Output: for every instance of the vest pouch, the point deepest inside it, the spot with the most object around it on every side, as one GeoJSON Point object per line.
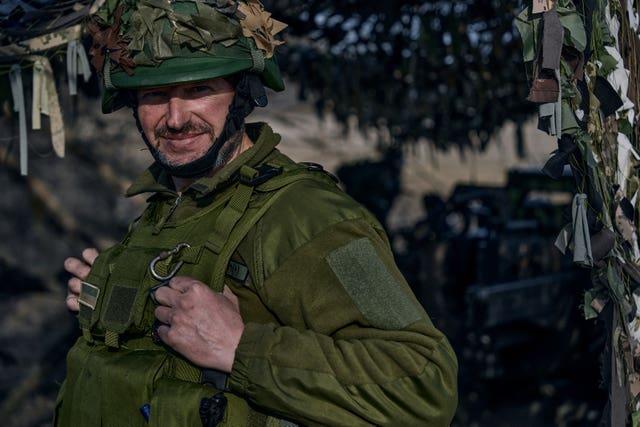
{"type": "Point", "coordinates": [127, 293]}
{"type": "Point", "coordinates": [106, 387]}
{"type": "Point", "coordinates": [176, 403]}
{"type": "Point", "coordinates": [97, 278]}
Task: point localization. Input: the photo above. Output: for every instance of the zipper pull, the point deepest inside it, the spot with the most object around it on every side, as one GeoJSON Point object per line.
{"type": "Point", "coordinates": [165, 218]}
{"type": "Point", "coordinates": [174, 206]}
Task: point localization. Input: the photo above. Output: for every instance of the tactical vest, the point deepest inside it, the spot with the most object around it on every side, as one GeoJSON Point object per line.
{"type": "Point", "coordinates": [116, 374]}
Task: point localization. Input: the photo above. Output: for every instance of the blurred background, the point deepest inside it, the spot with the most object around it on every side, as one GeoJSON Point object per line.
{"type": "Point", "coordinates": [419, 108]}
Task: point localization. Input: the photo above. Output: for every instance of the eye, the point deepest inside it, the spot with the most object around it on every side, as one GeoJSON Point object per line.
{"type": "Point", "coordinates": [200, 89]}
{"type": "Point", "coordinates": [152, 95]}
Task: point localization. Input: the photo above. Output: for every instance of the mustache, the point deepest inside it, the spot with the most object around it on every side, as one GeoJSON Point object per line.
{"type": "Point", "coordinates": [187, 128]}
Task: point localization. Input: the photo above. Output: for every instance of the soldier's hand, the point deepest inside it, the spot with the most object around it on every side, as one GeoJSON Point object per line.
{"type": "Point", "coordinates": [202, 325]}
{"type": "Point", "coordinates": [79, 269]}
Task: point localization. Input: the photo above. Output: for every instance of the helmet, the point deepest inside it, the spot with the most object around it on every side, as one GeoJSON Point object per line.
{"type": "Point", "coordinates": [138, 44]}
{"type": "Point", "coordinates": [149, 43]}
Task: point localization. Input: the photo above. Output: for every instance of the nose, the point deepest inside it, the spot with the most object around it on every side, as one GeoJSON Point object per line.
{"type": "Point", "coordinates": [177, 113]}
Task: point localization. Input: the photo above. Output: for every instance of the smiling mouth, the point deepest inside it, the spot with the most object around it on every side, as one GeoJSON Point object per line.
{"type": "Point", "coordinates": [180, 136]}
{"type": "Point", "coordinates": [188, 131]}
{"type": "Point", "coordinates": [179, 144]}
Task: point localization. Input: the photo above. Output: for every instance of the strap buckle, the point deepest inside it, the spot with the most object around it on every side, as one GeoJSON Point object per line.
{"type": "Point", "coordinates": [265, 174]}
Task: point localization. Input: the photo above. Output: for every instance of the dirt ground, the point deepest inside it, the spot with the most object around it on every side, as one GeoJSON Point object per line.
{"type": "Point", "coordinates": [65, 205]}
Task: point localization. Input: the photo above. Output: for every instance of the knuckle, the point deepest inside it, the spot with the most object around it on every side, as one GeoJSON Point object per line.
{"type": "Point", "coordinates": [176, 279]}
{"type": "Point", "coordinates": [83, 270]}
{"type": "Point", "coordinates": [159, 292]}
{"type": "Point", "coordinates": [71, 302]}
{"type": "Point", "coordinates": [188, 301]}
{"type": "Point", "coordinates": [161, 313]}
{"type": "Point", "coordinates": [199, 288]}
{"type": "Point", "coordinates": [172, 336]}
{"type": "Point", "coordinates": [163, 333]}
{"type": "Point", "coordinates": [178, 318]}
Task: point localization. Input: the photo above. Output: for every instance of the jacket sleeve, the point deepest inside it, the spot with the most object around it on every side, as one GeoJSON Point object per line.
{"type": "Point", "coordinates": [352, 346]}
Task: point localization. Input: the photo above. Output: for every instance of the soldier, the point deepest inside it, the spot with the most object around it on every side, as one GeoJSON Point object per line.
{"type": "Point", "coordinates": [251, 291]}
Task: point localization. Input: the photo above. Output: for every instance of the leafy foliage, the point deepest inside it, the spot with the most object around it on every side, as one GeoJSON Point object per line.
{"type": "Point", "coordinates": [451, 72]}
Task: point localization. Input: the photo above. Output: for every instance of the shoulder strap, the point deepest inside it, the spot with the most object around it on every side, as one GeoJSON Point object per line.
{"type": "Point", "coordinates": [229, 230]}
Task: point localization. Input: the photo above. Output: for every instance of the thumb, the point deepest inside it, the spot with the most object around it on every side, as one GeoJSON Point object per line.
{"type": "Point", "coordinates": [228, 293]}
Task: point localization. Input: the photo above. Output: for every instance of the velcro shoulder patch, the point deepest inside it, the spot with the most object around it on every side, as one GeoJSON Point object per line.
{"type": "Point", "coordinates": [374, 290]}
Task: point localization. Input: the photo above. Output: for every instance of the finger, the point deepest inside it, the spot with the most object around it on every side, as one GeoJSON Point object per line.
{"type": "Point", "coordinates": [166, 296]}
{"type": "Point", "coordinates": [77, 267]}
{"type": "Point", "coordinates": [90, 255]}
{"type": "Point", "coordinates": [163, 314]}
{"type": "Point", "coordinates": [72, 302]}
{"type": "Point", "coordinates": [74, 285]}
{"type": "Point", "coordinates": [163, 333]}
{"type": "Point", "coordinates": [182, 283]}
{"type": "Point", "coordinates": [70, 264]}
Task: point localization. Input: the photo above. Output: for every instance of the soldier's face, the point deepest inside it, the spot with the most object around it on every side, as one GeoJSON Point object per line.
{"type": "Point", "coordinates": [182, 121]}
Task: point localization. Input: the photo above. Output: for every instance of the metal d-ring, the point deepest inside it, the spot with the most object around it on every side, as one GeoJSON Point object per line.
{"type": "Point", "coordinates": [165, 255]}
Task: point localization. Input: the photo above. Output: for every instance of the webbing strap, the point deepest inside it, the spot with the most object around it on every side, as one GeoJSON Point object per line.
{"type": "Point", "coordinates": [86, 334]}
{"type": "Point", "coordinates": [295, 172]}
{"type": "Point", "coordinates": [185, 371]}
{"type": "Point", "coordinates": [257, 59]}
{"type": "Point", "coordinates": [230, 245]}
{"type": "Point", "coordinates": [229, 231]}
{"type": "Point", "coordinates": [17, 91]}
{"type": "Point", "coordinates": [111, 339]}
{"type": "Point", "coordinates": [232, 213]}
{"type": "Point", "coordinates": [258, 419]}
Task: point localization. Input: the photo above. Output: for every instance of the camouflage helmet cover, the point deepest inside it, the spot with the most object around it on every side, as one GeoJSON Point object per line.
{"type": "Point", "coordinates": [149, 43]}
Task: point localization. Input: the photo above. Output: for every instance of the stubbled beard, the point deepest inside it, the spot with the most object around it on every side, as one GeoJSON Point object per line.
{"type": "Point", "coordinates": [166, 131]}
{"type": "Point", "coordinates": [223, 156]}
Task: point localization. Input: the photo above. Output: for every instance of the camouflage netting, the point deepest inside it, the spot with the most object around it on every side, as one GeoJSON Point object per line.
{"type": "Point", "coordinates": [583, 61]}
{"type": "Point", "coordinates": [32, 35]}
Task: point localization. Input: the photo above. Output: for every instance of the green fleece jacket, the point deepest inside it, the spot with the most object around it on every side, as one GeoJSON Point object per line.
{"type": "Point", "coordinates": [333, 335]}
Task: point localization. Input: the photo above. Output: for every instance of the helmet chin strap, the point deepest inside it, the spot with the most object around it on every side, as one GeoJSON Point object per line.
{"type": "Point", "coordinates": [249, 94]}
